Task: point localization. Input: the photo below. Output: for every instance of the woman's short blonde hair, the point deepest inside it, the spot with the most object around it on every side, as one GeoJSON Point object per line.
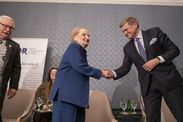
{"type": "Point", "coordinates": [75, 31]}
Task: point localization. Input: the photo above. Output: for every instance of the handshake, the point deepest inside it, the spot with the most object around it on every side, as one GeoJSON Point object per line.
{"type": "Point", "coordinates": [107, 73]}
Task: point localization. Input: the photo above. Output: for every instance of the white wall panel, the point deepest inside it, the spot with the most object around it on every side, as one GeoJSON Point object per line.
{"type": "Point", "coordinates": [137, 2]}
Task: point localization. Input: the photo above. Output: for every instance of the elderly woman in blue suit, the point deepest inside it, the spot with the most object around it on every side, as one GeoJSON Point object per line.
{"type": "Point", "coordinates": [70, 92]}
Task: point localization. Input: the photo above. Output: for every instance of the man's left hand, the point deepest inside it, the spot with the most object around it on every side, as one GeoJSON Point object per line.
{"type": "Point", "coordinates": [11, 93]}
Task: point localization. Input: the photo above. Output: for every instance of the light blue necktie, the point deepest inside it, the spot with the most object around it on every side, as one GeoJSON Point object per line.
{"type": "Point", "coordinates": [141, 49]}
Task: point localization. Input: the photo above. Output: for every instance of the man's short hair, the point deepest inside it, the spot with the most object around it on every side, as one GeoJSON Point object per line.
{"type": "Point", "coordinates": [130, 20]}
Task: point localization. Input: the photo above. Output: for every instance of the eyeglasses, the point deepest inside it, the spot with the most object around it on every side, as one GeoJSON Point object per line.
{"type": "Point", "coordinates": [7, 26]}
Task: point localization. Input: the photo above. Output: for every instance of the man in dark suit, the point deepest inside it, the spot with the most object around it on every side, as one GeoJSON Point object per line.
{"type": "Point", "coordinates": [10, 66]}
{"type": "Point", "coordinates": [152, 52]}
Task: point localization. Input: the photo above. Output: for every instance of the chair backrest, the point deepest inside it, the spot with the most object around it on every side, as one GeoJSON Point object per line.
{"type": "Point", "coordinates": [99, 108]}
{"type": "Point", "coordinates": [166, 115]}
{"type": "Point", "coordinates": [19, 105]}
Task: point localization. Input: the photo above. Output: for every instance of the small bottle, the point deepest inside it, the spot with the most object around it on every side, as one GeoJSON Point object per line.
{"type": "Point", "coordinates": [129, 106]}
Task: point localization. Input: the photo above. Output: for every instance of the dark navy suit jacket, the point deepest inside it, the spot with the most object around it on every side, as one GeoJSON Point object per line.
{"type": "Point", "coordinates": [72, 79]}
{"type": "Point", "coordinates": [156, 44]}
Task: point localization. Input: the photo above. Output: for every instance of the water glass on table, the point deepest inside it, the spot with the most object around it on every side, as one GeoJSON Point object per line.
{"type": "Point", "coordinates": [133, 104]}
{"type": "Point", "coordinates": [123, 105]}
{"type": "Point", "coordinates": [39, 102]}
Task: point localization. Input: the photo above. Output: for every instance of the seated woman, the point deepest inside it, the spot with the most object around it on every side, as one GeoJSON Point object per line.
{"type": "Point", "coordinates": [44, 89]}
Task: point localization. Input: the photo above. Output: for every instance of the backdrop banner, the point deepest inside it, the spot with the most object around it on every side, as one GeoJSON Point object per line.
{"type": "Point", "coordinates": [33, 55]}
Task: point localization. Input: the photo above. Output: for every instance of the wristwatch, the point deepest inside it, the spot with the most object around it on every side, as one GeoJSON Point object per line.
{"type": "Point", "coordinates": [158, 58]}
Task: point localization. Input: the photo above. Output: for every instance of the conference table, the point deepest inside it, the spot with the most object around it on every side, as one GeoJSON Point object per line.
{"type": "Point", "coordinates": [127, 116]}
{"type": "Point", "coordinates": [46, 116]}
{"type": "Point", "coordinates": [42, 116]}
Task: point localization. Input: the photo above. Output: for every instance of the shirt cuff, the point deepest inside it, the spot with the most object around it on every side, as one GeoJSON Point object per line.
{"type": "Point", "coordinates": [114, 74]}
{"type": "Point", "coordinates": [162, 60]}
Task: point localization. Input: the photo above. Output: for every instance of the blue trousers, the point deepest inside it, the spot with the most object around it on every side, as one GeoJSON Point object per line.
{"type": "Point", "coordinates": [66, 112]}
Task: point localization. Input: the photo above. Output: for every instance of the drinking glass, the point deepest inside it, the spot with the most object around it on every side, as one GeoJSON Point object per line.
{"type": "Point", "coordinates": [39, 102]}
{"type": "Point", "coordinates": [123, 104]}
{"type": "Point", "coordinates": [50, 104]}
{"type": "Point", "coordinates": [133, 104]}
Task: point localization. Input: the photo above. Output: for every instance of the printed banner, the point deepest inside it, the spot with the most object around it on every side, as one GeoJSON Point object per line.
{"type": "Point", "coordinates": [33, 55]}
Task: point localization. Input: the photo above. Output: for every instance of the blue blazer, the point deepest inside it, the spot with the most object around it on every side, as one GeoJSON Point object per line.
{"type": "Point", "coordinates": [72, 79]}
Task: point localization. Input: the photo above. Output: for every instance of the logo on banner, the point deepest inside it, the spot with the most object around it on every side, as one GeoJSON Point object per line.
{"type": "Point", "coordinates": [23, 51]}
